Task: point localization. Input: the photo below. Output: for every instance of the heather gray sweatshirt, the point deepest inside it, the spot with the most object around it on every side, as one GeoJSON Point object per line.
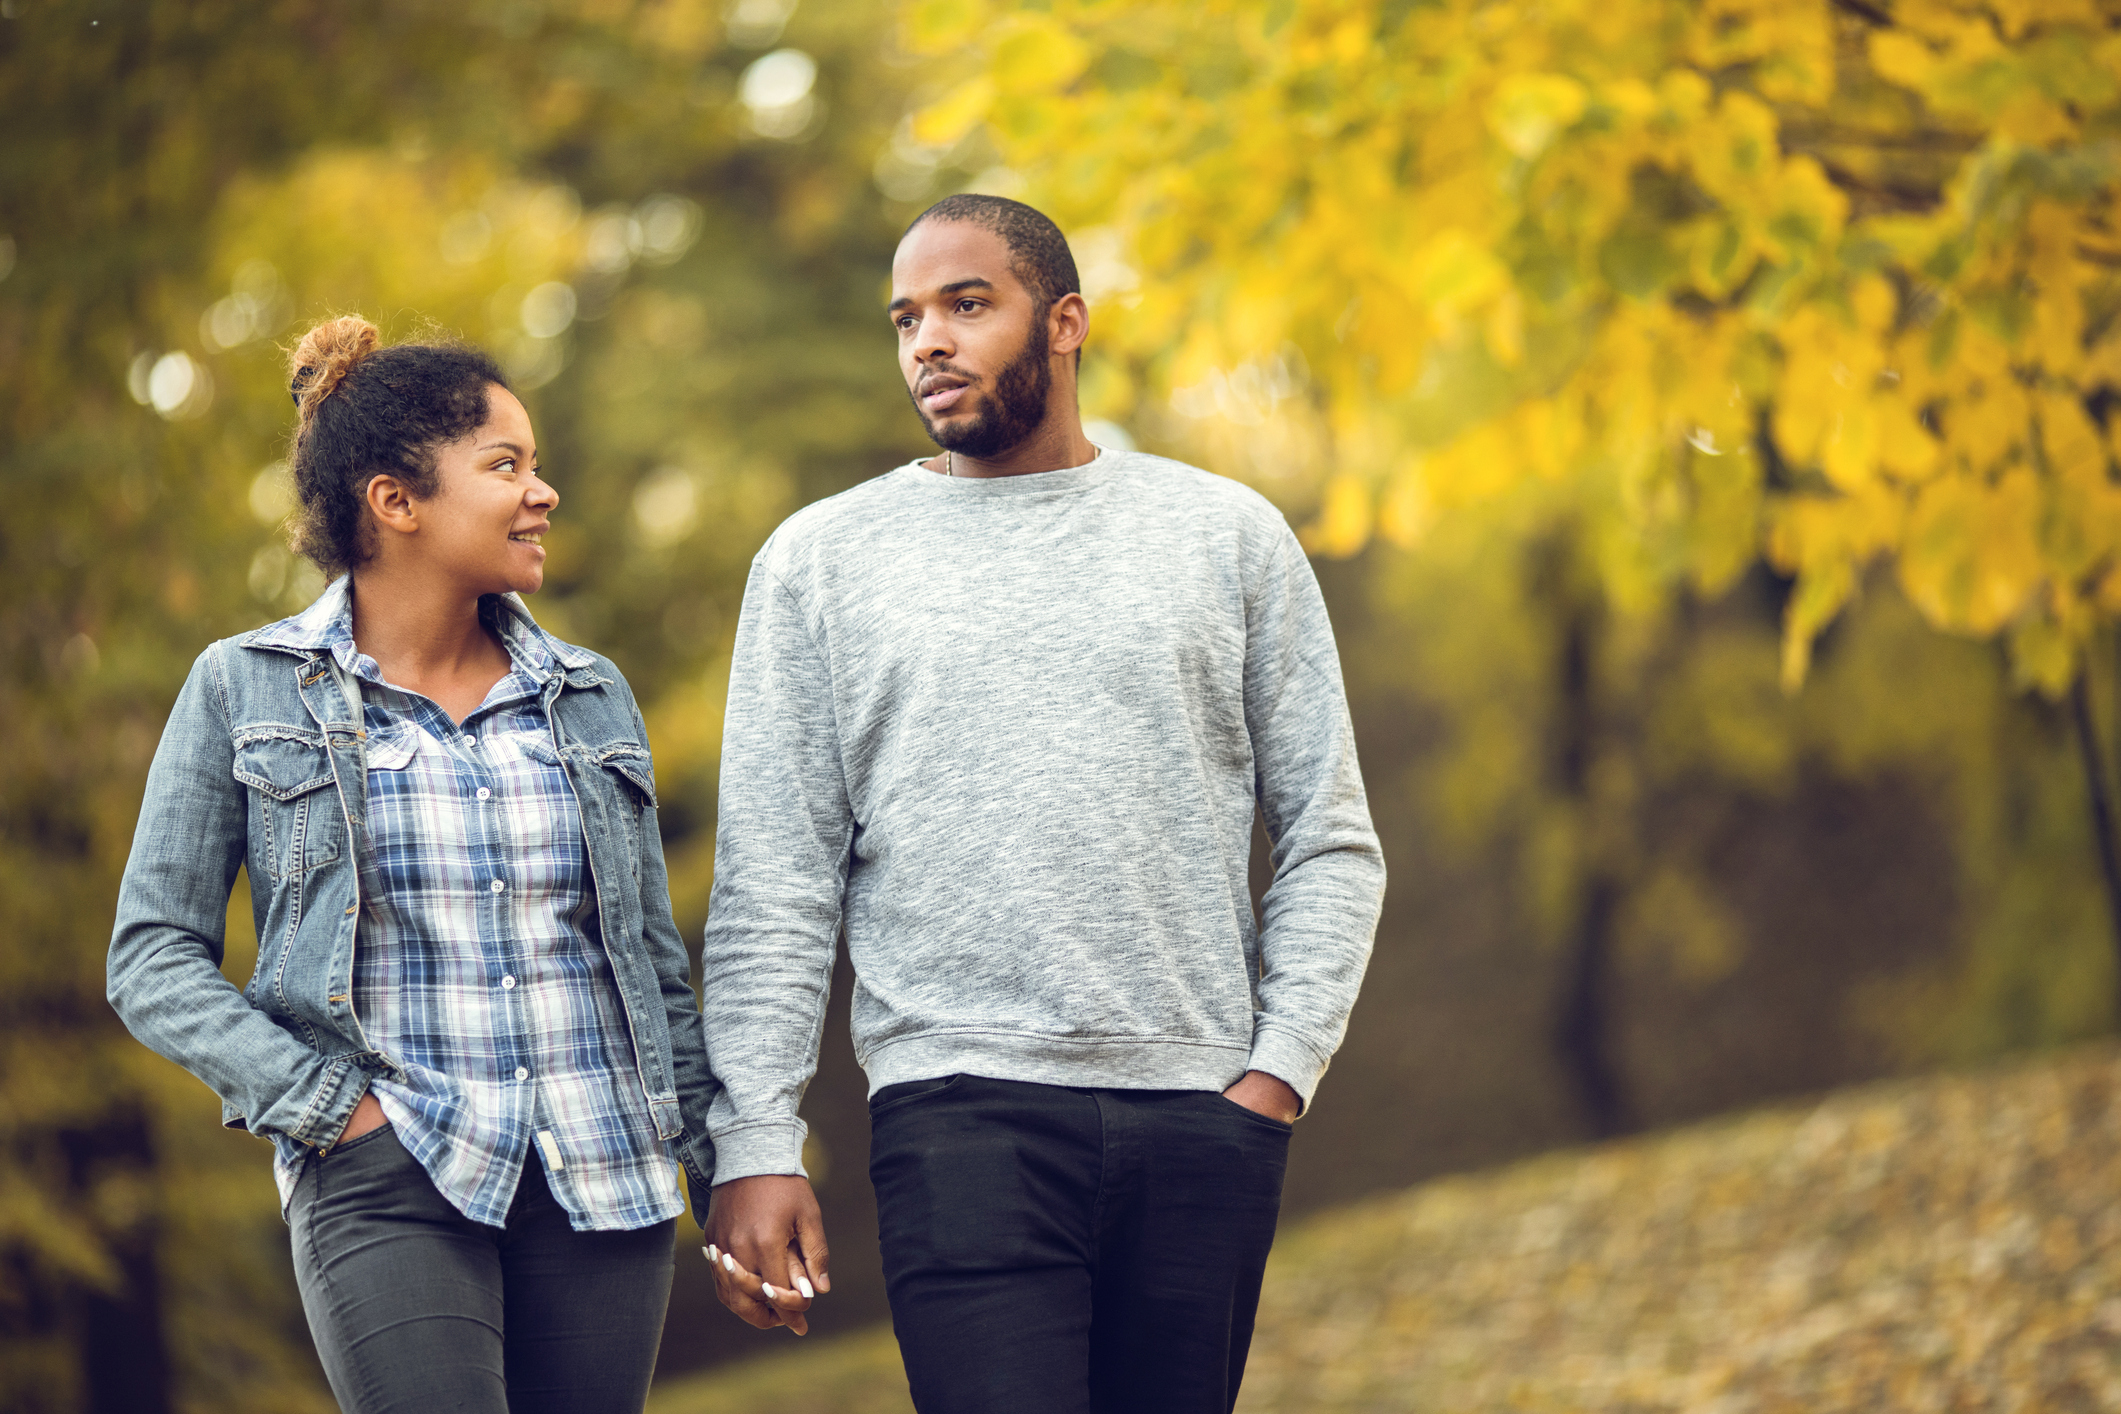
{"type": "Point", "coordinates": [1009, 733]}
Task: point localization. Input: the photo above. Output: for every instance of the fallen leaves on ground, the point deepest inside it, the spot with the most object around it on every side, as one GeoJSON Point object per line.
{"type": "Point", "coordinates": [1949, 1243]}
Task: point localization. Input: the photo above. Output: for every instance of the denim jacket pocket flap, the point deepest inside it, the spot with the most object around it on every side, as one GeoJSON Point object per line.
{"type": "Point", "coordinates": [283, 765]}
{"type": "Point", "coordinates": [634, 764]}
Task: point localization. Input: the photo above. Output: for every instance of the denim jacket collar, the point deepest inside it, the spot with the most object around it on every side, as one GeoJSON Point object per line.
{"type": "Point", "coordinates": [326, 626]}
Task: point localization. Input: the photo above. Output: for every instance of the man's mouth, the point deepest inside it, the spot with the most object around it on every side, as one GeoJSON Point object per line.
{"type": "Point", "coordinates": [529, 537]}
{"type": "Point", "coordinates": [942, 395]}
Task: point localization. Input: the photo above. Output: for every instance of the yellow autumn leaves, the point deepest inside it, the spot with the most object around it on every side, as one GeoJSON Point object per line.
{"type": "Point", "coordinates": [1828, 285]}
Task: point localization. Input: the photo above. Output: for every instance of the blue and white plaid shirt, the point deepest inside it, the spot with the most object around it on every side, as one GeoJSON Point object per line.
{"type": "Point", "coordinates": [479, 966]}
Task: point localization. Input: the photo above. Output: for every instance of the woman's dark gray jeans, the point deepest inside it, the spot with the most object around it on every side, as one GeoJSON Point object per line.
{"type": "Point", "coordinates": [416, 1307]}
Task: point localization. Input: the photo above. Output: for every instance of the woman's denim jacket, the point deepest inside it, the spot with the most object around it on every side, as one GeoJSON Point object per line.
{"type": "Point", "coordinates": [263, 764]}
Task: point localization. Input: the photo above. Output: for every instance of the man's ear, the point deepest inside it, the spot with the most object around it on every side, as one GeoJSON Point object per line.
{"type": "Point", "coordinates": [390, 502]}
{"type": "Point", "coordinates": [1067, 324]}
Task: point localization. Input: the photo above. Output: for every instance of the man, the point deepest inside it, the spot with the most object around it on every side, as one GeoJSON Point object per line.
{"type": "Point", "coordinates": [1005, 716]}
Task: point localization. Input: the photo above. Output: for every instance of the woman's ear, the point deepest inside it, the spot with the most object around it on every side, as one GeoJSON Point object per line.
{"type": "Point", "coordinates": [390, 502]}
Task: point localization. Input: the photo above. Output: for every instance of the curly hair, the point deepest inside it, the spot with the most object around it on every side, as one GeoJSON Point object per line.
{"type": "Point", "coordinates": [363, 411]}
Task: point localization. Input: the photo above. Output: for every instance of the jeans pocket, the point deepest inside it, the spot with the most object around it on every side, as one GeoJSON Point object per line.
{"type": "Point", "coordinates": [893, 1097]}
{"type": "Point", "coordinates": [1281, 1127]}
{"type": "Point", "coordinates": [350, 1145]}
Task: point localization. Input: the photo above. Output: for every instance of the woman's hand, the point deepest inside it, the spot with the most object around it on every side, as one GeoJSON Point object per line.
{"type": "Point", "coordinates": [366, 1116]}
{"type": "Point", "coordinates": [766, 1240]}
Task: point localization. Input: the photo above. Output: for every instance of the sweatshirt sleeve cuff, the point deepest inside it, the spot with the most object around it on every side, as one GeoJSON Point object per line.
{"type": "Point", "coordinates": [1288, 1060]}
{"type": "Point", "coordinates": [770, 1146]}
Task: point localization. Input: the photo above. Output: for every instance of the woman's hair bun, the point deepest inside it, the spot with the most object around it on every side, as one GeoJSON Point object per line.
{"type": "Point", "coordinates": [325, 356]}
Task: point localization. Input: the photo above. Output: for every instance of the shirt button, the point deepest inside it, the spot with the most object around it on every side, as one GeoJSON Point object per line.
{"type": "Point", "coordinates": [507, 982]}
{"type": "Point", "coordinates": [484, 792]}
{"type": "Point", "coordinates": [471, 740]}
{"type": "Point", "coordinates": [497, 886]}
{"type": "Point", "coordinates": [522, 1074]}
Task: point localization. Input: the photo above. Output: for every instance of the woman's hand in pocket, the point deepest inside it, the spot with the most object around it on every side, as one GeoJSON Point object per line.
{"type": "Point", "coordinates": [367, 1116]}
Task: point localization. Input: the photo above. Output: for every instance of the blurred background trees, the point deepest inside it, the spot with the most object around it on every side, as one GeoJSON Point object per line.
{"type": "Point", "coordinates": [1624, 365]}
{"type": "Point", "coordinates": [1730, 288]}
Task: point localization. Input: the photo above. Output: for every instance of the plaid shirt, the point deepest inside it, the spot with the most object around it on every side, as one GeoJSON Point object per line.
{"type": "Point", "coordinates": [479, 966]}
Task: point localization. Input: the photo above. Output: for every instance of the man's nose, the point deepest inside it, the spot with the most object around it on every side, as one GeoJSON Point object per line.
{"type": "Point", "coordinates": [932, 344]}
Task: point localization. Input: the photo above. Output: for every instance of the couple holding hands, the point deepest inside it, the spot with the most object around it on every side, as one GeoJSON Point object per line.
{"type": "Point", "coordinates": [1004, 717]}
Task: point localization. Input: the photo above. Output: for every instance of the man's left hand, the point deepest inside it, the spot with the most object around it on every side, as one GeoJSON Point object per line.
{"type": "Point", "coordinates": [1263, 1094]}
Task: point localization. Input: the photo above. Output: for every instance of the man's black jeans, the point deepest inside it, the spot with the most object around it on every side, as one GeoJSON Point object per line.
{"type": "Point", "coordinates": [415, 1307]}
{"type": "Point", "coordinates": [1064, 1250]}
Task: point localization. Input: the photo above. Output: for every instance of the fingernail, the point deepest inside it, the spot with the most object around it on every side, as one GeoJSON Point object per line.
{"type": "Point", "coordinates": [708, 1253]}
{"type": "Point", "coordinates": [805, 1288]}
{"type": "Point", "coordinates": [714, 1253]}
{"type": "Point", "coordinates": [728, 1262]}
{"type": "Point", "coordinates": [767, 1287]}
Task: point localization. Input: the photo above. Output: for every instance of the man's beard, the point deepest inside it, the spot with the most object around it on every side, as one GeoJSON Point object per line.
{"type": "Point", "coordinates": [1014, 408]}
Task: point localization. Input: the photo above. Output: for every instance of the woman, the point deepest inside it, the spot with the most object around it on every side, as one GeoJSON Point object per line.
{"type": "Point", "coordinates": [470, 1034]}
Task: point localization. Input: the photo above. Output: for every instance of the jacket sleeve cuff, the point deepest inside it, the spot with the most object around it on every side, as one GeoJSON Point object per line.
{"type": "Point", "coordinates": [1288, 1060]}
{"type": "Point", "coordinates": [332, 1104]}
{"type": "Point", "coordinates": [769, 1146]}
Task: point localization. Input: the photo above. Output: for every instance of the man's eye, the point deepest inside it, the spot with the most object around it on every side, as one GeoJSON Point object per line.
{"type": "Point", "coordinates": [966, 306]}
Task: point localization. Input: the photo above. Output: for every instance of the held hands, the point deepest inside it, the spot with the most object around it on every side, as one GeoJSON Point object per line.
{"type": "Point", "coordinates": [766, 1241]}
{"type": "Point", "coordinates": [1264, 1094]}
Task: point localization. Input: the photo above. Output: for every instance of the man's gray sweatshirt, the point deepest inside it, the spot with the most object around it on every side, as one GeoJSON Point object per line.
{"type": "Point", "coordinates": [1010, 734]}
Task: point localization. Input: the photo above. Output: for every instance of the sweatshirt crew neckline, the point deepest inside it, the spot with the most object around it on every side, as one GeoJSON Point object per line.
{"type": "Point", "coordinates": [1095, 472]}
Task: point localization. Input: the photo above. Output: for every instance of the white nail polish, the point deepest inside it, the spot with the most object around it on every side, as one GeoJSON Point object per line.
{"type": "Point", "coordinates": [708, 1253]}
{"type": "Point", "coordinates": [805, 1288]}
{"type": "Point", "coordinates": [728, 1262]}
{"type": "Point", "coordinates": [714, 1254]}
{"type": "Point", "coordinates": [767, 1287]}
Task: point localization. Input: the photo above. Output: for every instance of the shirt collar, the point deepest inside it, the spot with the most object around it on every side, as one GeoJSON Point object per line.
{"type": "Point", "coordinates": [326, 626]}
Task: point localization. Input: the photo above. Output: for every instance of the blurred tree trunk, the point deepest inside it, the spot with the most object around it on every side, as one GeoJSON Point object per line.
{"type": "Point", "coordinates": [125, 1366]}
{"type": "Point", "coordinates": [2098, 793]}
{"type": "Point", "coordinates": [1582, 1031]}
{"type": "Point", "coordinates": [1582, 1034]}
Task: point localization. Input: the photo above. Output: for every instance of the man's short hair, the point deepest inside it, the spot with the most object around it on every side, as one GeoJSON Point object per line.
{"type": "Point", "coordinates": [1038, 252]}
